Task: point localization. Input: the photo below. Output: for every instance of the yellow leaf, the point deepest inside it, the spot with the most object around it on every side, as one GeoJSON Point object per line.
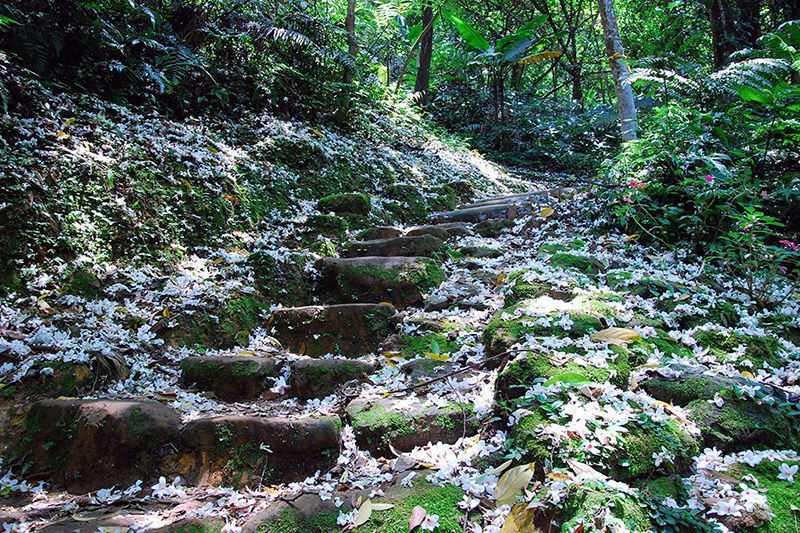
{"type": "Point", "coordinates": [315, 132]}
{"type": "Point", "coordinates": [437, 356]}
{"type": "Point", "coordinates": [541, 56]}
{"type": "Point", "coordinates": [631, 237]}
{"type": "Point", "coordinates": [391, 364]}
{"type": "Point", "coordinates": [61, 134]}
{"type": "Point", "coordinates": [212, 149]}
{"type": "Point", "coordinates": [559, 476]}
{"type": "Point", "coordinates": [81, 373]}
{"type": "Point", "coordinates": [246, 352]}
{"type": "Point", "coordinates": [510, 483]}
{"type": "Point", "coordinates": [519, 520]}
{"type": "Point", "coordinates": [232, 199]}
{"type": "Point", "coordinates": [188, 185]}
{"type": "Point", "coordinates": [618, 336]}
{"type": "Point", "coordinates": [364, 513]}
{"type": "Point", "coordinates": [748, 375]}
{"type": "Point", "coordinates": [546, 212]}
{"type": "Point", "coordinates": [69, 121]}
{"type": "Point", "coordinates": [500, 278]}
{"type": "Point", "coordinates": [386, 303]}
{"type": "Point", "coordinates": [500, 468]}
{"type": "Point", "coordinates": [381, 506]}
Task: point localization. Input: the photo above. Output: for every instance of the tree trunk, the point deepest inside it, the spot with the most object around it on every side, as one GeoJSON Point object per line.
{"type": "Point", "coordinates": [721, 32]}
{"type": "Point", "coordinates": [422, 83]}
{"type": "Point", "coordinates": [619, 70]}
{"type": "Point", "coordinates": [750, 15]}
{"type": "Point", "coordinates": [352, 44]}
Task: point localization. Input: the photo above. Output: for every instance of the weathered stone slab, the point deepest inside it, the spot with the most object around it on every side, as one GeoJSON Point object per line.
{"type": "Point", "coordinates": [349, 330]}
{"type": "Point", "coordinates": [383, 232]}
{"type": "Point", "coordinates": [318, 378]}
{"type": "Point", "coordinates": [437, 231]}
{"type": "Point", "coordinates": [401, 281]}
{"type": "Point", "coordinates": [85, 445]}
{"type": "Point", "coordinates": [248, 451]}
{"type": "Point", "coordinates": [415, 246]}
{"type": "Point", "coordinates": [379, 423]}
{"type": "Point", "coordinates": [479, 214]}
{"type": "Point", "coordinates": [230, 378]}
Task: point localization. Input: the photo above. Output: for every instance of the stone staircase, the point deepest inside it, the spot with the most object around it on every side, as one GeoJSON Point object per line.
{"type": "Point", "coordinates": [84, 445]}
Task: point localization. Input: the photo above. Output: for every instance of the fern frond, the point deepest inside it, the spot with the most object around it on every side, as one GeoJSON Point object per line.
{"type": "Point", "coordinates": [668, 82]}
{"type": "Point", "coordinates": [761, 73]}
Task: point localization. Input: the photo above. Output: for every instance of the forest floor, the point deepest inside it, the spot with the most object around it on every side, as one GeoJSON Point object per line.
{"type": "Point", "coordinates": [604, 370]}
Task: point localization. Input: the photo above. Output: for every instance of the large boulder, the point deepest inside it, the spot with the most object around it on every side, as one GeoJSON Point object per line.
{"type": "Point", "coordinates": [85, 445]}
{"type": "Point", "coordinates": [350, 330]}
{"type": "Point", "coordinates": [401, 281]}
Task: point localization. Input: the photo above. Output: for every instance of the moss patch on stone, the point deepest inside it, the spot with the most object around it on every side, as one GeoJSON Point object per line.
{"type": "Point", "coordinates": [326, 225]}
{"type": "Point", "coordinates": [758, 349]}
{"type": "Point", "coordinates": [634, 459]}
{"type": "Point", "coordinates": [281, 281]}
{"type": "Point", "coordinates": [781, 495]}
{"type": "Point", "coordinates": [358, 204]}
{"type": "Point", "coordinates": [585, 503]}
{"type": "Point", "coordinates": [741, 424]}
{"type": "Point", "coordinates": [519, 290]}
{"type": "Point", "coordinates": [585, 265]}
{"type": "Point", "coordinates": [412, 346]}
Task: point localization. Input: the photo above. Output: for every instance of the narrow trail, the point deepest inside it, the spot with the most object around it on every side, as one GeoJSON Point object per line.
{"type": "Point", "coordinates": [429, 356]}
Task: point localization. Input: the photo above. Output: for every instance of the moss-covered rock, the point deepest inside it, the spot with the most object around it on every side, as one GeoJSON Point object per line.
{"type": "Point", "coordinates": [332, 227]}
{"type": "Point", "coordinates": [758, 350]}
{"type": "Point", "coordinates": [742, 424]}
{"type": "Point", "coordinates": [414, 345]}
{"type": "Point", "coordinates": [584, 503]}
{"type": "Point", "coordinates": [781, 495]}
{"type": "Point", "coordinates": [525, 369]}
{"type": "Point", "coordinates": [409, 206]}
{"type": "Point", "coordinates": [233, 378]}
{"type": "Point", "coordinates": [380, 423]}
{"type": "Point", "coordinates": [505, 329]}
{"type": "Point", "coordinates": [518, 289]}
{"type": "Point", "coordinates": [634, 457]}
{"type": "Point", "coordinates": [358, 204]}
{"type": "Point", "coordinates": [401, 281]}
{"type": "Point", "coordinates": [318, 378]}
{"type": "Point", "coordinates": [493, 228]}
{"type": "Point", "coordinates": [225, 327]}
{"type": "Point", "coordinates": [585, 265]}
{"type": "Point", "coordinates": [419, 246]}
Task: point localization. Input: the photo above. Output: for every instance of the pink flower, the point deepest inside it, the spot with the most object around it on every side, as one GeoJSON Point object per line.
{"type": "Point", "coordinates": [764, 195]}
{"type": "Point", "coordinates": [638, 184]}
{"type": "Point", "coordinates": [628, 199]}
{"type": "Point", "coordinates": [790, 244]}
{"type": "Point", "coordinates": [709, 178]}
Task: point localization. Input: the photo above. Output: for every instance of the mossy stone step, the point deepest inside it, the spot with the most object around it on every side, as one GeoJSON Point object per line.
{"type": "Point", "coordinates": [521, 198]}
{"type": "Point", "coordinates": [437, 231]}
{"type": "Point", "coordinates": [230, 378]}
{"type": "Point", "coordinates": [382, 422]}
{"type": "Point", "coordinates": [358, 204]}
{"type": "Point", "coordinates": [350, 330]}
{"type": "Point", "coordinates": [417, 246]}
{"type": "Point", "coordinates": [85, 445]}
{"type": "Point", "coordinates": [250, 450]}
{"type": "Point", "coordinates": [401, 281]}
{"type": "Point", "coordinates": [481, 214]}
{"type": "Point", "coordinates": [381, 232]}
{"type": "Point", "coordinates": [318, 378]}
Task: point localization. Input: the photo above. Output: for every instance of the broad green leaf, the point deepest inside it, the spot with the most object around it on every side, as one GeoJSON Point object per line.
{"type": "Point", "coordinates": [413, 33]}
{"type": "Point", "coordinates": [569, 377]}
{"type": "Point", "coordinates": [532, 25]}
{"type": "Point", "coordinates": [466, 31]}
{"type": "Point", "coordinates": [383, 74]}
{"type": "Point", "coordinates": [511, 483]}
{"type": "Point", "coordinates": [546, 212]}
{"type": "Point", "coordinates": [618, 336]}
{"type": "Point", "coordinates": [435, 347]}
{"type": "Point", "coordinates": [756, 95]}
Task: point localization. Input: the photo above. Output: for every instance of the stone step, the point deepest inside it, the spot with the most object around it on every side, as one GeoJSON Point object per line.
{"type": "Point", "coordinates": [508, 211]}
{"type": "Point", "coordinates": [245, 378]}
{"type": "Point", "coordinates": [381, 422]}
{"type": "Point", "coordinates": [382, 232]}
{"type": "Point", "coordinates": [437, 231]}
{"type": "Point", "coordinates": [318, 378]}
{"type": "Point", "coordinates": [230, 378]}
{"type": "Point", "coordinates": [350, 330]}
{"type": "Point", "coordinates": [414, 246]}
{"type": "Point", "coordinates": [253, 451]}
{"type": "Point", "coordinates": [401, 281]}
{"type": "Point", "coordinates": [535, 197]}
{"type": "Point", "coordinates": [85, 445]}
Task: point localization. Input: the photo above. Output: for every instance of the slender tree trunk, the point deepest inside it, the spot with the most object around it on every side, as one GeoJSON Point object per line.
{"type": "Point", "coordinates": [619, 70]}
{"type": "Point", "coordinates": [422, 83]}
{"type": "Point", "coordinates": [352, 44]}
{"type": "Point", "coordinates": [721, 32]}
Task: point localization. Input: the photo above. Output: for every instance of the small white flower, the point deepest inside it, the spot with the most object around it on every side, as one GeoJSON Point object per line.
{"type": "Point", "coordinates": [430, 523]}
{"type": "Point", "coordinates": [717, 400]}
{"type": "Point", "coordinates": [787, 472]}
{"type": "Point", "coordinates": [727, 508]}
{"type": "Point", "coordinates": [406, 481]}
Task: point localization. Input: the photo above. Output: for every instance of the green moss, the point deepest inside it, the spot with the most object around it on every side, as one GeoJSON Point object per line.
{"type": "Point", "coordinates": [642, 441]}
{"type": "Point", "coordinates": [441, 501]}
{"type": "Point", "coordinates": [526, 439]}
{"type": "Point", "coordinates": [376, 416]}
{"type": "Point", "coordinates": [552, 248]}
{"type": "Point", "coordinates": [85, 283]}
{"type": "Point", "coordinates": [289, 521]}
{"type": "Point", "coordinates": [358, 204]}
{"type": "Point", "coordinates": [243, 369]}
{"type": "Point", "coordinates": [443, 198]}
{"type": "Point", "coordinates": [585, 503]}
{"type": "Point", "coordinates": [280, 281]}
{"type": "Point", "coordinates": [204, 370]}
{"type": "Point", "coordinates": [758, 349]}
{"type": "Point", "coordinates": [618, 280]}
{"type": "Point", "coordinates": [240, 315]}
{"type": "Point", "coordinates": [410, 204]}
{"type": "Point", "coordinates": [332, 227]}
{"type": "Point", "coordinates": [521, 290]}
{"type": "Point", "coordinates": [585, 265]}
{"type": "Point", "coordinates": [663, 487]}
{"type": "Point", "coordinates": [781, 495]}
{"type": "Point", "coordinates": [494, 227]}
{"type": "Point", "coordinates": [412, 346]}
{"type": "Point", "coordinates": [743, 422]}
